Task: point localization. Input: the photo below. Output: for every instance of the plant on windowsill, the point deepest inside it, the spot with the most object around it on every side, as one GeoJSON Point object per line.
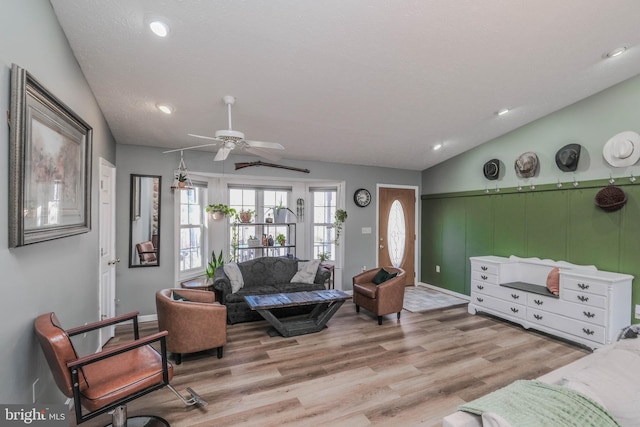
{"type": "Point", "coordinates": [339, 218]}
{"type": "Point", "coordinates": [214, 263]}
{"type": "Point", "coordinates": [220, 210]}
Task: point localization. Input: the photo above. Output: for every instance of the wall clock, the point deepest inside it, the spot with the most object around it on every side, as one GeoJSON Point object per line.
{"type": "Point", "coordinates": [362, 197]}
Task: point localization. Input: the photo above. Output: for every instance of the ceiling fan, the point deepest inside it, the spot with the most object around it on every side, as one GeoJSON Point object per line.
{"type": "Point", "coordinates": [229, 139]}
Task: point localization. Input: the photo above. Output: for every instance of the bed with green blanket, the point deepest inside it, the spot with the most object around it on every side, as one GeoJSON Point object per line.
{"type": "Point", "coordinates": [534, 403]}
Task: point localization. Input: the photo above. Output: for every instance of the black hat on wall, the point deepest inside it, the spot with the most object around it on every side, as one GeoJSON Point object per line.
{"type": "Point", "coordinates": [567, 157]}
{"type": "Point", "coordinates": [491, 169]}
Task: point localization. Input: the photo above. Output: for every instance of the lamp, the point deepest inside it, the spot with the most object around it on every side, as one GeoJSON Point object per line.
{"type": "Point", "coordinates": [181, 179]}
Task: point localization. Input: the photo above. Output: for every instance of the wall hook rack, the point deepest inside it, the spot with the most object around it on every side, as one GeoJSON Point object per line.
{"type": "Point", "coordinates": [632, 179]}
{"type": "Point", "coordinates": [575, 183]}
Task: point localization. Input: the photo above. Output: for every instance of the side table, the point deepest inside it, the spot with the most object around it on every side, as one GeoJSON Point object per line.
{"type": "Point", "coordinates": [331, 268]}
{"type": "Point", "coordinates": [200, 283]}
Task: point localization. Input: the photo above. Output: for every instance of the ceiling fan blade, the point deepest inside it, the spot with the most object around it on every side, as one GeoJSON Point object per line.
{"type": "Point", "coordinates": [203, 137]}
{"type": "Point", "coordinates": [222, 154]}
{"type": "Point", "coordinates": [189, 148]}
{"type": "Point", "coordinates": [262, 153]}
{"type": "Point", "coordinates": [264, 144]}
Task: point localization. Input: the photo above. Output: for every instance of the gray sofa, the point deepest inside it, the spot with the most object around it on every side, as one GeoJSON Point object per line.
{"type": "Point", "coordinates": [268, 275]}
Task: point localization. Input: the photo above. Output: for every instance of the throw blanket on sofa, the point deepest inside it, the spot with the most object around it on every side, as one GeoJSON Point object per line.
{"type": "Point", "coordinates": [533, 403]}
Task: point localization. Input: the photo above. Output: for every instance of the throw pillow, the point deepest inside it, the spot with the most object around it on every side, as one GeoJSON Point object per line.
{"type": "Point", "coordinates": [177, 297]}
{"type": "Point", "coordinates": [381, 276]}
{"type": "Point", "coordinates": [306, 272]}
{"type": "Point", "coordinates": [553, 281]}
{"type": "Point", "coordinates": [232, 271]}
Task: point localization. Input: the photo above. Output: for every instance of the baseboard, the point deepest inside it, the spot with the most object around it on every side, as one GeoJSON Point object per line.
{"type": "Point", "coordinates": [445, 291]}
{"type": "Point", "coordinates": [148, 318]}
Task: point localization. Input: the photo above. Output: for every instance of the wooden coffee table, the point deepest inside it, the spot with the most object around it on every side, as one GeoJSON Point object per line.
{"type": "Point", "coordinates": [326, 303]}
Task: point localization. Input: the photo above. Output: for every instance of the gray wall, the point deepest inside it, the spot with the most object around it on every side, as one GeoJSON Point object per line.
{"type": "Point", "coordinates": [136, 286]}
{"type": "Point", "coordinates": [60, 275]}
{"type": "Point", "coordinates": [590, 122]}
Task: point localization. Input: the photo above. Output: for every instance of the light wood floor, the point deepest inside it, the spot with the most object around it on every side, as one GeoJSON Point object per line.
{"type": "Point", "coordinates": [354, 373]}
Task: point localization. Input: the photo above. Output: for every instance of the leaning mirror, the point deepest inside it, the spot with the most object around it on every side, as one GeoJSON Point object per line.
{"type": "Point", "coordinates": [144, 230]}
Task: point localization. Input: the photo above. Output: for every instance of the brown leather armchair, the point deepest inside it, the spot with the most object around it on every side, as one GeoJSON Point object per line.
{"type": "Point", "coordinates": [108, 379]}
{"type": "Point", "coordinates": [385, 298]}
{"type": "Point", "coordinates": [195, 325]}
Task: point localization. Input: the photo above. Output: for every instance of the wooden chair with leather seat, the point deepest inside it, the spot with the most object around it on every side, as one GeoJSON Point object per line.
{"type": "Point", "coordinates": [195, 324]}
{"type": "Point", "coordinates": [380, 299]}
{"type": "Point", "coordinates": [147, 253]}
{"type": "Point", "coordinates": [108, 379]}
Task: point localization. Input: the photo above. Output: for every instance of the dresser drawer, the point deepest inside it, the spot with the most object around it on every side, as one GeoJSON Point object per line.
{"type": "Point", "coordinates": [578, 311]}
{"type": "Point", "coordinates": [485, 267]}
{"type": "Point", "coordinates": [506, 307]}
{"type": "Point", "coordinates": [571, 326]}
{"type": "Point", "coordinates": [584, 298]}
{"type": "Point", "coordinates": [481, 276]}
{"type": "Point", "coordinates": [583, 285]}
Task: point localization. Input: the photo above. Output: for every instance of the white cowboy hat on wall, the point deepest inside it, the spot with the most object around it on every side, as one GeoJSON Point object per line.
{"type": "Point", "coordinates": [622, 150]}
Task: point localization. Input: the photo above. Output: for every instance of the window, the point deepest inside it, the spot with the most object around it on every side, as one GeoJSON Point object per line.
{"type": "Point", "coordinates": [324, 209]}
{"type": "Point", "coordinates": [263, 202]}
{"type": "Point", "coordinates": [192, 242]}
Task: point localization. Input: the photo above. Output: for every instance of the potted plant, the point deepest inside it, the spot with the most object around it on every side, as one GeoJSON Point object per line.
{"type": "Point", "coordinates": [281, 212]}
{"type": "Point", "coordinates": [182, 180]}
{"type": "Point", "coordinates": [339, 218]}
{"type": "Point", "coordinates": [281, 239]}
{"type": "Point", "coordinates": [245, 215]}
{"type": "Point", "coordinates": [214, 263]}
{"type": "Point", "coordinates": [323, 256]}
{"type": "Point", "coordinates": [220, 210]}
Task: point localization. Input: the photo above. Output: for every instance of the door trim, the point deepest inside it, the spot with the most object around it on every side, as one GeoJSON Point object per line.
{"type": "Point", "coordinates": [416, 242]}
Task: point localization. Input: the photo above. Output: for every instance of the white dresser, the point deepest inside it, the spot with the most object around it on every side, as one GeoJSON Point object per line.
{"type": "Point", "coordinates": [592, 308]}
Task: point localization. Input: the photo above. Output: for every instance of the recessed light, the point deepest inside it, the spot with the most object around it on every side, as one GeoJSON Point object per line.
{"type": "Point", "coordinates": [159, 28]}
{"type": "Point", "coordinates": [616, 52]}
{"type": "Point", "coordinates": [502, 112]}
{"type": "Point", "coordinates": [165, 108]}
{"type": "Point", "coordinates": [437, 147]}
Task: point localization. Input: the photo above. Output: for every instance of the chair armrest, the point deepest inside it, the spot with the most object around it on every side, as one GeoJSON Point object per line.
{"type": "Point", "coordinates": [221, 285]}
{"type": "Point", "coordinates": [391, 286]}
{"type": "Point", "coordinates": [104, 323]}
{"type": "Point", "coordinates": [91, 358]}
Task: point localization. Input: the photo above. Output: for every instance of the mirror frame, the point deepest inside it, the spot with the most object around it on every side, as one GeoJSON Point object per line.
{"type": "Point", "coordinates": [135, 211]}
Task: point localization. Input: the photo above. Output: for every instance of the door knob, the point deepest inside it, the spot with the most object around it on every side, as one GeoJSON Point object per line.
{"type": "Point", "coordinates": [381, 246]}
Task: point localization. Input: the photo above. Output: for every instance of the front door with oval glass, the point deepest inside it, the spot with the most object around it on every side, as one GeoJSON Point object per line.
{"type": "Point", "coordinates": [396, 229]}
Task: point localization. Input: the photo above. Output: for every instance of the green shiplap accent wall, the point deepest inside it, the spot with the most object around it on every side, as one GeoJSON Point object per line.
{"type": "Point", "coordinates": [558, 224]}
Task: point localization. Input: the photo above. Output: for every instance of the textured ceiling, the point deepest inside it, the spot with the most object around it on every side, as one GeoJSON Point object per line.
{"type": "Point", "coordinates": [367, 82]}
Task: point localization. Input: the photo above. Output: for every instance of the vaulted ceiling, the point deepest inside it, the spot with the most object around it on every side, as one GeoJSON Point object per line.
{"type": "Point", "coordinates": [372, 82]}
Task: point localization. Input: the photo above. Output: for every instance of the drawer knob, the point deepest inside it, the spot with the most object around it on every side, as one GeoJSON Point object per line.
{"type": "Point", "coordinates": [538, 302]}
{"type": "Point", "coordinates": [484, 268]}
{"type": "Point", "coordinates": [515, 296]}
{"type": "Point", "coordinates": [537, 316]}
{"type": "Point", "coordinates": [515, 310]}
{"type": "Point", "coordinates": [480, 287]}
{"type": "Point", "coordinates": [589, 314]}
{"type": "Point", "coordinates": [483, 277]}
{"type": "Point", "coordinates": [588, 331]}
{"type": "Point", "coordinates": [583, 298]}
{"type": "Point", "coordinates": [480, 299]}
{"type": "Point", "coordinates": [583, 286]}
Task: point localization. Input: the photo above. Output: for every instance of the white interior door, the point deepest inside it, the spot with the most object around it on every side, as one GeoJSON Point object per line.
{"type": "Point", "coordinates": [108, 258]}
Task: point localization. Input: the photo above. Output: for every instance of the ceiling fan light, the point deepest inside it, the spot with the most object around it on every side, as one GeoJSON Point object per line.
{"type": "Point", "coordinates": [159, 28]}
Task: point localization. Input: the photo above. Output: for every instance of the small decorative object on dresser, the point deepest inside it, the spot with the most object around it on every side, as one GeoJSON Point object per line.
{"type": "Point", "coordinates": [591, 309]}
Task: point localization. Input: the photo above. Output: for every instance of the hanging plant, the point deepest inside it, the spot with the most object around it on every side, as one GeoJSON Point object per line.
{"type": "Point", "coordinates": [339, 218]}
{"type": "Point", "coordinates": [220, 210]}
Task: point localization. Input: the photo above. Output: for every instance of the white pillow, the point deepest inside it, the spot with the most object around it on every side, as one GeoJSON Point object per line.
{"type": "Point", "coordinates": [306, 272]}
{"type": "Point", "coordinates": [491, 419]}
{"type": "Point", "coordinates": [232, 271]}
